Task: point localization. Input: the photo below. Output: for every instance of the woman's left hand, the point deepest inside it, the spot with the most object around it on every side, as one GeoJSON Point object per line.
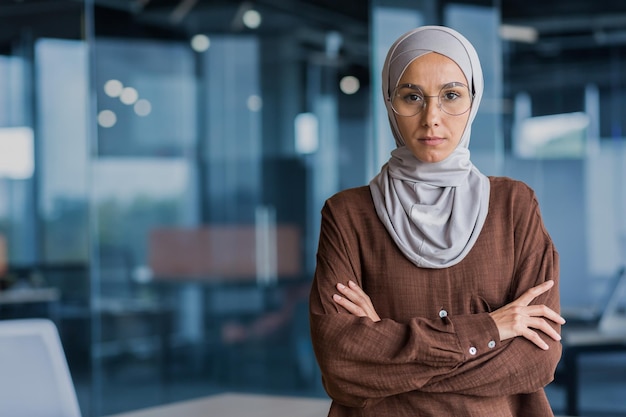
{"type": "Point", "coordinates": [355, 301]}
{"type": "Point", "coordinates": [520, 318]}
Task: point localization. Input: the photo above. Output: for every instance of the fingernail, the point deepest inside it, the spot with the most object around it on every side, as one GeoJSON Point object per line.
{"type": "Point", "coordinates": [351, 283]}
{"type": "Point", "coordinates": [341, 286]}
{"type": "Point", "coordinates": [336, 297]}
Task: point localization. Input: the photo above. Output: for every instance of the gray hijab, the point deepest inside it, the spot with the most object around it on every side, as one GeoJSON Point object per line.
{"type": "Point", "coordinates": [433, 211]}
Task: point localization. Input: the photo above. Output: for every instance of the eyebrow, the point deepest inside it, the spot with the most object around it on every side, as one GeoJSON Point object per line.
{"type": "Point", "coordinates": [419, 87]}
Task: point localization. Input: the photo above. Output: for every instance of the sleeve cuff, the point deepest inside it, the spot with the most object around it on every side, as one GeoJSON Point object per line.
{"type": "Point", "coordinates": [477, 334]}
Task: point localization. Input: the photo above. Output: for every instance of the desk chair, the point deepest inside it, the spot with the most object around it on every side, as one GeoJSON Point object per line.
{"type": "Point", "coordinates": [34, 376]}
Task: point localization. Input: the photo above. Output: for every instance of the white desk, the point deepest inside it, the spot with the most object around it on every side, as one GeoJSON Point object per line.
{"type": "Point", "coordinates": [238, 405]}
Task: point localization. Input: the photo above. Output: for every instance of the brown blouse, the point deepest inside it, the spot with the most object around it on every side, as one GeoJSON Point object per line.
{"type": "Point", "coordinates": [436, 351]}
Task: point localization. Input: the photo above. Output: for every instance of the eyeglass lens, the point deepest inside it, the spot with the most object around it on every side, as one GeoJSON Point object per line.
{"type": "Point", "coordinates": [454, 99]}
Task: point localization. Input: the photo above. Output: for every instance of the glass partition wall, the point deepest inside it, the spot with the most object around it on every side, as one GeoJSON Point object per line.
{"type": "Point", "coordinates": [220, 132]}
{"type": "Point", "coordinates": [169, 161]}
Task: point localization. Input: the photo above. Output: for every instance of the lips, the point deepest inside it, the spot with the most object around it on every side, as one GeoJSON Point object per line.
{"type": "Point", "coordinates": [431, 140]}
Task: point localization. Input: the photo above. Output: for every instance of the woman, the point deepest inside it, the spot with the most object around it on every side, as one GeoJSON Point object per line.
{"type": "Point", "coordinates": [435, 292]}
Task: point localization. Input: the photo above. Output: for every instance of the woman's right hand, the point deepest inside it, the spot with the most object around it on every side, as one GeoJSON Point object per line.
{"type": "Point", "coordinates": [355, 301]}
{"type": "Point", "coordinates": [521, 319]}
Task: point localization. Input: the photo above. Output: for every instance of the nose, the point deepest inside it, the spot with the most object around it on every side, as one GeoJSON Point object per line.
{"type": "Point", "coordinates": [431, 115]}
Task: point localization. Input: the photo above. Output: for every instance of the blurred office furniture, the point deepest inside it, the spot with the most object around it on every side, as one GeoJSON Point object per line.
{"type": "Point", "coordinates": [248, 284]}
{"type": "Point", "coordinates": [131, 329]}
{"type": "Point", "coordinates": [35, 378]}
{"type": "Point", "coordinates": [58, 291]}
{"type": "Point", "coordinates": [225, 253]}
{"type": "Point", "coordinates": [22, 297]}
{"type": "Point", "coordinates": [133, 322]}
{"type": "Point", "coordinates": [592, 333]}
{"type": "Point", "coordinates": [51, 290]}
{"type": "Point", "coordinates": [238, 405]}
{"type": "Point", "coordinates": [25, 294]}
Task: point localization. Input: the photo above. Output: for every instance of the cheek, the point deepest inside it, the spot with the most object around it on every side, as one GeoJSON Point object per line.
{"type": "Point", "coordinates": [459, 128]}
{"type": "Point", "coordinates": [406, 126]}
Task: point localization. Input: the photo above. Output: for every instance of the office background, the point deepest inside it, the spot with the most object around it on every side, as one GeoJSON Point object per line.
{"type": "Point", "coordinates": [163, 164]}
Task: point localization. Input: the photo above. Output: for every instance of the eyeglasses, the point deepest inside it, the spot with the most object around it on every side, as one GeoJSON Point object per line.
{"type": "Point", "coordinates": [453, 99]}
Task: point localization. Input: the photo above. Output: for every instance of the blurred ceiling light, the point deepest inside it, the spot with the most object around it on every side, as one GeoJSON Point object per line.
{"type": "Point", "coordinates": [113, 88]}
{"type": "Point", "coordinates": [106, 118]}
{"type": "Point", "coordinates": [349, 84]}
{"type": "Point", "coordinates": [129, 95]}
{"type": "Point", "coordinates": [255, 103]}
{"type": "Point", "coordinates": [514, 33]}
{"type": "Point", "coordinates": [142, 107]}
{"type": "Point", "coordinates": [200, 43]}
{"type": "Point", "coordinates": [245, 16]}
{"type": "Point", "coordinates": [252, 19]}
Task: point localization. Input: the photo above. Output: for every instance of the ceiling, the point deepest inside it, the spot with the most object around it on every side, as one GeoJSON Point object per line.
{"type": "Point", "coordinates": [582, 34]}
{"type": "Point", "coordinates": [578, 41]}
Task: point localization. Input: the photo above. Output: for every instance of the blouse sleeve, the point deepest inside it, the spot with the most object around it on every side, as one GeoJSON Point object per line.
{"type": "Point", "coordinates": [508, 368]}
{"type": "Point", "coordinates": [364, 361]}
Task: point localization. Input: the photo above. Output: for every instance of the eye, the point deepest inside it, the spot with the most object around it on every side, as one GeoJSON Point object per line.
{"type": "Point", "coordinates": [451, 95]}
{"type": "Point", "coordinates": [454, 92]}
{"type": "Point", "coordinates": [413, 98]}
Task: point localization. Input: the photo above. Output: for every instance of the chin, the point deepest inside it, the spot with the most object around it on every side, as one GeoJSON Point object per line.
{"type": "Point", "coordinates": [430, 159]}
{"type": "Point", "coordinates": [430, 155]}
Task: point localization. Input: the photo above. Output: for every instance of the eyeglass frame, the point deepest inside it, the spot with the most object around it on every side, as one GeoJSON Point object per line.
{"type": "Point", "coordinates": [439, 105]}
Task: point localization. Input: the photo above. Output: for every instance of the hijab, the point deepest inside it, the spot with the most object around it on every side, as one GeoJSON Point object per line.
{"type": "Point", "coordinates": [433, 211]}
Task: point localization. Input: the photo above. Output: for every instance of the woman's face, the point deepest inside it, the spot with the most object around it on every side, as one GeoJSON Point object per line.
{"type": "Point", "coordinates": [432, 134]}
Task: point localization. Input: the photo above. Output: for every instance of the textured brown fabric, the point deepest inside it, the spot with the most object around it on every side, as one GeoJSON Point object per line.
{"type": "Point", "coordinates": [413, 362]}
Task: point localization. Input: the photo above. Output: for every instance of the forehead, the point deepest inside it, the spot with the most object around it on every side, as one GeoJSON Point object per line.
{"type": "Point", "coordinates": [432, 69]}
